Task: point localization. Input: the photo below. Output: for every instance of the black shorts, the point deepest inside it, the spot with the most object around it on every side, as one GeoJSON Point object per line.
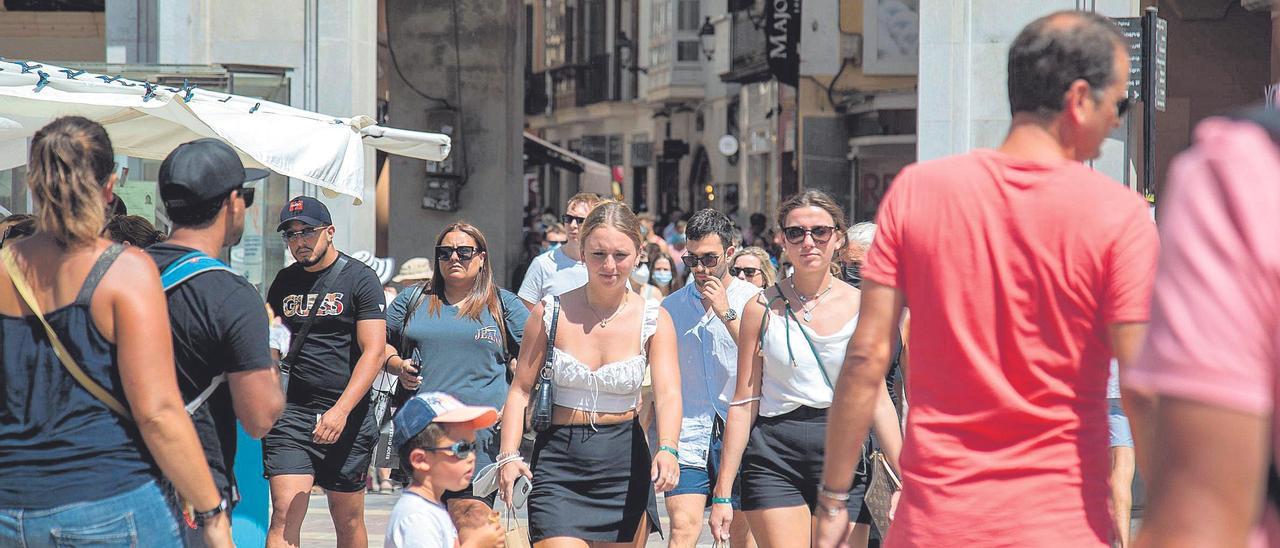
{"type": "Point", "coordinates": [782, 464]}
{"type": "Point", "coordinates": [342, 466]}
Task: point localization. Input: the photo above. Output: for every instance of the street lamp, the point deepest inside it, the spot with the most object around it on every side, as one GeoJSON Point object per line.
{"type": "Point", "coordinates": [707, 35]}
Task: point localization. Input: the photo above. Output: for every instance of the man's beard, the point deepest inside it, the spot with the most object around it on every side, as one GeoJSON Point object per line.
{"type": "Point", "coordinates": [316, 255]}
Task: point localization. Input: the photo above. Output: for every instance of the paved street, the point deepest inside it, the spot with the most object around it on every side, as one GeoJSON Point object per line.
{"type": "Point", "coordinates": [318, 530]}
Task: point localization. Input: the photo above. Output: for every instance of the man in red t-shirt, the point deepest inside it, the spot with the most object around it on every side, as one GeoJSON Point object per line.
{"type": "Point", "coordinates": [1025, 272]}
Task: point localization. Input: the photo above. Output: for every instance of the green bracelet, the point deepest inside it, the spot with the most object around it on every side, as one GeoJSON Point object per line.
{"type": "Point", "coordinates": [721, 500]}
{"type": "Point", "coordinates": [670, 449]}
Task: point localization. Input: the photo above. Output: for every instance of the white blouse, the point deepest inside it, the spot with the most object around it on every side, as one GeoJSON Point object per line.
{"type": "Point", "coordinates": [787, 385]}
{"type": "Point", "coordinates": [613, 387]}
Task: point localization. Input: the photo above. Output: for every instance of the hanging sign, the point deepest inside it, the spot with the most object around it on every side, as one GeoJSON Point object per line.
{"type": "Point", "coordinates": [782, 40]}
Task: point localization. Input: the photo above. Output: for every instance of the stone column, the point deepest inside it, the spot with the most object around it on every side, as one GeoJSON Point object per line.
{"type": "Point", "coordinates": [964, 48]}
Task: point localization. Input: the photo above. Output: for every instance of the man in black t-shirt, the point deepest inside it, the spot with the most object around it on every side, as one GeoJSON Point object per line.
{"type": "Point", "coordinates": [327, 432]}
{"type": "Point", "coordinates": [218, 319]}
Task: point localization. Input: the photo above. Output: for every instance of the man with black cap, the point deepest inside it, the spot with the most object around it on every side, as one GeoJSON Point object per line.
{"type": "Point", "coordinates": [333, 304]}
{"type": "Point", "coordinates": [219, 325]}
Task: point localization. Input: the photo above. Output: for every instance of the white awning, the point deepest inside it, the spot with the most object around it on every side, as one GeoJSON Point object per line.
{"type": "Point", "coordinates": [148, 121]}
{"type": "Point", "coordinates": [596, 176]}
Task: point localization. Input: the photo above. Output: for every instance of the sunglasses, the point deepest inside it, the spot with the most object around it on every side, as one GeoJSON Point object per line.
{"type": "Point", "coordinates": [15, 232]}
{"type": "Point", "coordinates": [306, 233]}
{"type": "Point", "coordinates": [796, 234]}
{"type": "Point", "coordinates": [460, 449]}
{"type": "Point", "coordinates": [709, 260]}
{"type": "Point", "coordinates": [247, 194]}
{"type": "Point", "coordinates": [568, 219]}
{"type": "Point", "coordinates": [1122, 106]}
{"type": "Point", "coordinates": [465, 252]}
{"type": "Point", "coordinates": [749, 271]}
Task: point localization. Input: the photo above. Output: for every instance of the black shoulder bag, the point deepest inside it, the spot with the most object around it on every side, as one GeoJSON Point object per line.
{"type": "Point", "coordinates": [401, 394]}
{"type": "Point", "coordinates": [542, 397]}
{"type": "Point", "coordinates": [320, 289]}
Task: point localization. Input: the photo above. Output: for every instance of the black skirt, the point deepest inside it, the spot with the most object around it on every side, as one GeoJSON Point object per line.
{"type": "Point", "coordinates": [591, 484]}
{"type": "Point", "coordinates": [782, 464]}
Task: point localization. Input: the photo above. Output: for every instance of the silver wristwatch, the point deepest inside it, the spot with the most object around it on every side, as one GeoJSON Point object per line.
{"type": "Point", "coordinates": [729, 315]}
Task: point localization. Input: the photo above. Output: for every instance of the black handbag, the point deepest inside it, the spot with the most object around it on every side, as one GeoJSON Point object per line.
{"type": "Point", "coordinates": [320, 289]}
{"type": "Point", "coordinates": [542, 398]}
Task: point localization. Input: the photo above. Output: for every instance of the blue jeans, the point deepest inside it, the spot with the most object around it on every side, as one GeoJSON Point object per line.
{"type": "Point", "coordinates": [1121, 435]}
{"type": "Point", "coordinates": [141, 517]}
{"type": "Point", "coordinates": [701, 480]}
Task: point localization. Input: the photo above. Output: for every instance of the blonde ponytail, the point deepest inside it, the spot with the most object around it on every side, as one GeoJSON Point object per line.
{"type": "Point", "coordinates": [71, 159]}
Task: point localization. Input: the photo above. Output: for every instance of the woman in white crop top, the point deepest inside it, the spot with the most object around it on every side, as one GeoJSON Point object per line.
{"type": "Point", "coordinates": [593, 479]}
{"type": "Point", "coordinates": [776, 428]}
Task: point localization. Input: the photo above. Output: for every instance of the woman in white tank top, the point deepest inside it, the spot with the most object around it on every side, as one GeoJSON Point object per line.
{"type": "Point", "coordinates": [790, 351]}
{"type": "Point", "coordinates": [593, 478]}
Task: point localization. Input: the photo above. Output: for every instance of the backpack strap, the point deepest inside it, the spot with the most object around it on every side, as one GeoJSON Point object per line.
{"type": "Point", "coordinates": [186, 267]}
{"type": "Point", "coordinates": [189, 266]}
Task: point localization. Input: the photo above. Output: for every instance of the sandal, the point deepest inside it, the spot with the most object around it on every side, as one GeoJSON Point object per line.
{"type": "Point", "coordinates": [387, 486]}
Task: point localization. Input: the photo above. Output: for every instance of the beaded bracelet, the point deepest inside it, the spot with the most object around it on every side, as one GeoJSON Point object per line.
{"type": "Point", "coordinates": [833, 495]}
{"type": "Point", "coordinates": [721, 500]}
{"type": "Point", "coordinates": [675, 453]}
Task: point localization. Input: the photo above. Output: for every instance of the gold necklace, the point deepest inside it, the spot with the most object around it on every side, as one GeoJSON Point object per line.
{"type": "Point", "coordinates": [604, 322]}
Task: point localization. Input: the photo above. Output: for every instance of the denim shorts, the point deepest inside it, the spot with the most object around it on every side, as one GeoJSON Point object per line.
{"type": "Point", "coordinates": [141, 517]}
{"type": "Point", "coordinates": [1121, 436]}
{"type": "Point", "coordinates": [695, 480]}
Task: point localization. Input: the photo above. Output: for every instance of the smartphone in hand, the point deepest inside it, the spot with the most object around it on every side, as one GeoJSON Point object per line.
{"type": "Point", "coordinates": [416, 357]}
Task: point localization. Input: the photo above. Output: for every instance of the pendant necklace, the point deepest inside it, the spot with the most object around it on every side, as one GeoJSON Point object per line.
{"type": "Point", "coordinates": [806, 311]}
{"type": "Point", "coordinates": [604, 322]}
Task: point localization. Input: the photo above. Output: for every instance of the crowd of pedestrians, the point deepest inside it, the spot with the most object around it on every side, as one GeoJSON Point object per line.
{"type": "Point", "coordinates": [759, 378]}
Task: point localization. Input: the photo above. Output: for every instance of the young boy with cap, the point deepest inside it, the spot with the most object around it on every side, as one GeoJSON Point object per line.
{"type": "Point", "coordinates": [435, 434]}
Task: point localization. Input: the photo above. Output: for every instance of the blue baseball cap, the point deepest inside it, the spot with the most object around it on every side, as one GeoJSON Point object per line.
{"type": "Point", "coordinates": [424, 410]}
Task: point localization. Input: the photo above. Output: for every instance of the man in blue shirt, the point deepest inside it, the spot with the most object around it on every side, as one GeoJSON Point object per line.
{"type": "Point", "coordinates": [705, 314]}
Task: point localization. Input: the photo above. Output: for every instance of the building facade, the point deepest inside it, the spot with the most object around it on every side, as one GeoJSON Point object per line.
{"type": "Point", "coordinates": [315, 54]}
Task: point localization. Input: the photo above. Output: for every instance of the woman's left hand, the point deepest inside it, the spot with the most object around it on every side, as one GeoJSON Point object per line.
{"type": "Point", "coordinates": [665, 473]}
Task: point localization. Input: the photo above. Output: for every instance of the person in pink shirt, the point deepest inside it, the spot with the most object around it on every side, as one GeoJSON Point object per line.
{"type": "Point", "coordinates": [1211, 357]}
{"type": "Point", "coordinates": [1025, 271]}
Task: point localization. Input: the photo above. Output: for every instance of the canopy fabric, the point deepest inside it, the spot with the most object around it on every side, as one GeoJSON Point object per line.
{"type": "Point", "coordinates": [148, 121]}
{"type": "Point", "coordinates": [596, 177]}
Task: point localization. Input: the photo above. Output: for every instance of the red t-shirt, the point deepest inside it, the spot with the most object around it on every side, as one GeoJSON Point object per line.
{"type": "Point", "coordinates": [1013, 271]}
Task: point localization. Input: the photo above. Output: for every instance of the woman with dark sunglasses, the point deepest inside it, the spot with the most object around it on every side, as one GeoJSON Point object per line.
{"type": "Point", "coordinates": [752, 265]}
{"type": "Point", "coordinates": [791, 348]}
{"type": "Point", "coordinates": [464, 331]}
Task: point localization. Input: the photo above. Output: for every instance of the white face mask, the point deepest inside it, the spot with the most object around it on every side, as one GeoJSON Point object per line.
{"type": "Point", "coordinates": [640, 275]}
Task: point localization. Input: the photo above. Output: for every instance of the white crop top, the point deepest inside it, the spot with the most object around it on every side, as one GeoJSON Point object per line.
{"type": "Point", "coordinates": [786, 387]}
{"type": "Point", "coordinates": [613, 387]}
